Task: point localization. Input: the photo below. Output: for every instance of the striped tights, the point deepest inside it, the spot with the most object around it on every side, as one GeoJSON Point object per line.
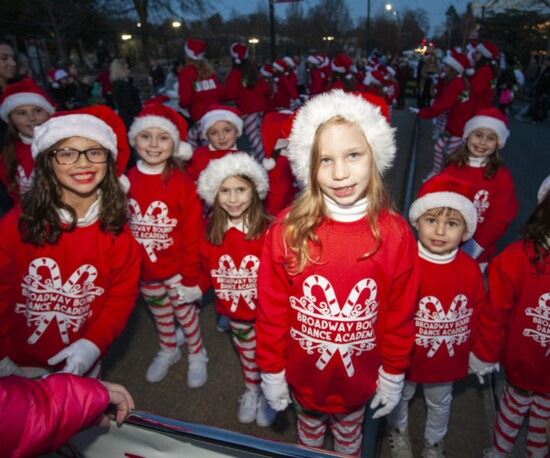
{"type": "Point", "coordinates": [514, 405]}
{"type": "Point", "coordinates": [252, 126]}
{"type": "Point", "coordinates": [444, 146]}
{"type": "Point", "coordinates": [243, 336]}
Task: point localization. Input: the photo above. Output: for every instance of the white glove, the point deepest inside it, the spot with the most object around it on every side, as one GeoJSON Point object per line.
{"type": "Point", "coordinates": [388, 392]}
{"type": "Point", "coordinates": [8, 367]}
{"type": "Point", "coordinates": [188, 294]}
{"type": "Point", "coordinates": [275, 390]}
{"type": "Point", "coordinates": [480, 368]}
{"type": "Point", "coordinates": [80, 356]}
{"type": "Point", "coordinates": [472, 248]}
{"type": "Point", "coordinates": [414, 110]}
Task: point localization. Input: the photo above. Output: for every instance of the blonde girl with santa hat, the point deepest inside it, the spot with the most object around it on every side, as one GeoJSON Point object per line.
{"type": "Point", "coordinates": [230, 248]}
{"type": "Point", "coordinates": [198, 87]}
{"type": "Point", "coordinates": [455, 100]}
{"type": "Point", "coordinates": [251, 93]}
{"type": "Point", "coordinates": [69, 266]}
{"type": "Point", "coordinates": [513, 332]}
{"type": "Point", "coordinates": [479, 163]}
{"type": "Point", "coordinates": [338, 276]}
{"type": "Point", "coordinates": [166, 220]}
{"type": "Point", "coordinates": [23, 106]}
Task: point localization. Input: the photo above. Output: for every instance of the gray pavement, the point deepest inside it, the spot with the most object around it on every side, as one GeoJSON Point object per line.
{"type": "Point", "coordinates": [528, 156]}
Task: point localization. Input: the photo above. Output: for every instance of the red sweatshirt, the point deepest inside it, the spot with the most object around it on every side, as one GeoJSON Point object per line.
{"type": "Point", "coordinates": [24, 173]}
{"type": "Point", "coordinates": [166, 220]}
{"type": "Point", "coordinates": [455, 99]}
{"type": "Point", "coordinates": [446, 319]}
{"type": "Point", "coordinates": [495, 201]}
{"type": "Point", "coordinates": [282, 187]}
{"type": "Point", "coordinates": [196, 95]}
{"type": "Point", "coordinates": [284, 92]}
{"type": "Point", "coordinates": [333, 325]}
{"type": "Point", "coordinates": [248, 100]}
{"type": "Point", "coordinates": [232, 270]}
{"type": "Point", "coordinates": [82, 287]}
{"type": "Point", "coordinates": [482, 88]}
{"type": "Point", "coordinates": [514, 328]}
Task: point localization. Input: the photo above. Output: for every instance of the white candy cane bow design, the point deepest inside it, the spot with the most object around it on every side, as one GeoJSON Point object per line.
{"type": "Point", "coordinates": [440, 321]}
{"type": "Point", "coordinates": [24, 182]}
{"type": "Point", "coordinates": [542, 314]}
{"type": "Point", "coordinates": [248, 270]}
{"type": "Point", "coordinates": [329, 311]}
{"type": "Point", "coordinates": [49, 287]}
{"type": "Point", "coordinates": [481, 202]}
{"type": "Point", "coordinates": [143, 227]}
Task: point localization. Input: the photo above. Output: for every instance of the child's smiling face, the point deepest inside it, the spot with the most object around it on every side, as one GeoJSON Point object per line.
{"type": "Point", "coordinates": [482, 142]}
{"type": "Point", "coordinates": [222, 135]}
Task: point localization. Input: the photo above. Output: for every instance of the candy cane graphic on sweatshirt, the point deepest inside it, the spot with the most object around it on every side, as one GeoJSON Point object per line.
{"type": "Point", "coordinates": [481, 202]}
{"type": "Point", "coordinates": [435, 327]}
{"type": "Point", "coordinates": [236, 283]}
{"type": "Point", "coordinates": [329, 329]}
{"type": "Point", "coordinates": [541, 322]}
{"type": "Point", "coordinates": [24, 182]}
{"type": "Point", "coordinates": [154, 229]}
{"type": "Point", "coordinates": [48, 298]}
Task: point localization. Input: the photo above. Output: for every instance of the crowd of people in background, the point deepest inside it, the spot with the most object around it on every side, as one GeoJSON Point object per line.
{"type": "Point", "coordinates": [265, 183]}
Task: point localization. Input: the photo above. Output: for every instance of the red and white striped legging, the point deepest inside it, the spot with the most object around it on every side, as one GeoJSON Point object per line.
{"type": "Point", "coordinates": [194, 135]}
{"type": "Point", "coordinates": [162, 300]}
{"type": "Point", "coordinates": [514, 405]}
{"type": "Point", "coordinates": [252, 126]}
{"type": "Point", "coordinates": [243, 336]}
{"type": "Point", "coordinates": [347, 430]}
{"type": "Point", "coordinates": [444, 145]}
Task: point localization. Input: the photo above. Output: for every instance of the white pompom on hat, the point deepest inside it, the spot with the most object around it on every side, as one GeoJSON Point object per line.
{"type": "Point", "coordinates": [217, 113]}
{"type": "Point", "coordinates": [167, 119]}
{"type": "Point", "coordinates": [24, 92]}
{"type": "Point", "coordinates": [490, 118]}
{"type": "Point", "coordinates": [195, 48]}
{"type": "Point", "coordinates": [274, 135]}
{"type": "Point", "coordinates": [98, 123]}
{"type": "Point", "coordinates": [234, 164]}
{"type": "Point", "coordinates": [239, 52]}
{"type": "Point", "coordinates": [367, 111]}
{"type": "Point", "coordinates": [444, 191]}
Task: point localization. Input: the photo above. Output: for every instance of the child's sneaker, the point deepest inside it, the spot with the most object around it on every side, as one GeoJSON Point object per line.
{"type": "Point", "coordinates": [400, 443]}
{"type": "Point", "coordinates": [249, 406]}
{"type": "Point", "coordinates": [265, 415]}
{"type": "Point", "coordinates": [433, 450]}
{"type": "Point", "coordinates": [494, 453]}
{"type": "Point", "coordinates": [163, 361]}
{"type": "Point", "coordinates": [197, 375]}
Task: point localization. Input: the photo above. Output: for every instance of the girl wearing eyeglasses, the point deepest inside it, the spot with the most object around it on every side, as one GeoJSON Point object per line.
{"type": "Point", "coordinates": [69, 266]}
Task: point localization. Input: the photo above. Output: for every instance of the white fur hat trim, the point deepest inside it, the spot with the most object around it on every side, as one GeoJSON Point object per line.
{"type": "Point", "coordinates": [489, 122]}
{"type": "Point", "coordinates": [213, 116]}
{"type": "Point", "coordinates": [446, 199]}
{"type": "Point", "coordinates": [182, 150]}
{"type": "Point", "coordinates": [24, 98]}
{"type": "Point", "coordinates": [353, 108]}
{"type": "Point", "coordinates": [232, 164]}
{"type": "Point", "coordinates": [73, 125]}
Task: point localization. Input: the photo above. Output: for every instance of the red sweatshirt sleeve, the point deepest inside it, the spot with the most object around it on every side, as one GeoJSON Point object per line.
{"type": "Point", "coordinates": [232, 84]}
{"type": "Point", "coordinates": [449, 97]}
{"type": "Point", "coordinates": [186, 78]}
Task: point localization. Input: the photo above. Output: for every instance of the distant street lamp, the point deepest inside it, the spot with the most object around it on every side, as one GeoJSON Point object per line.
{"type": "Point", "coordinates": [328, 38]}
{"type": "Point", "coordinates": [126, 36]}
{"type": "Point", "coordinates": [253, 41]}
{"type": "Point", "coordinates": [176, 24]}
{"type": "Point", "coordinates": [388, 7]}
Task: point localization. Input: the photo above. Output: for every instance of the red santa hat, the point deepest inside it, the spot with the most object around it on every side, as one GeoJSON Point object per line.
{"type": "Point", "coordinates": [488, 50]}
{"type": "Point", "coordinates": [167, 119]}
{"type": "Point", "coordinates": [267, 71]}
{"type": "Point", "coordinates": [363, 110]}
{"type": "Point", "coordinates": [341, 64]}
{"type": "Point", "coordinates": [55, 75]}
{"type": "Point", "coordinates": [372, 61]}
{"type": "Point", "coordinates": [230, 165]}
{"type": "Point", "coordinates": [290, 62]}
{"type": "Point", "coordinates": [24, 92]}
{"type": "Point", "coordinates": [98, 123]}
{"type": "Point", "coordinates": [315, 59]}
{"type": "Point", "coordinates": [274, 135]}
{"type": "Point", "coordinates": [280, 65]}
{"type": "Point", "coordinates": [490, 118]}
{"type": "Point", "coordinates": [444, 191]}
{"type": "Point", "coordinates": [217, 113]}
{"type": "Point", "coordinates": [374, 77]}
{"type": "Point", "coordinates": [195, 48]}
{"type": "Point", "coordinates": [457, 61]}
{"type": "Point", "coordinates": [239, 52]}
{"type": "Point", "coordinates": [326, 60]}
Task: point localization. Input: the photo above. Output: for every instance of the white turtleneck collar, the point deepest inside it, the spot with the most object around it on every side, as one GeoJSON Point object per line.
{"type": "Point", "coordinates": [346, 213]}
{"type": "Point", "coordinates": [146, 170]}
{"type": "Point", "coordinates": [211, 148]}
{"type": "Point", "coordinates": [426, 254]}
{"type": "Point", "coordinates": [26, 140]}
{"type": "Point", "coordinates": [474, 161]}
{"type": "Point", "coordinates": [238, 226]}
{"type": "Point", "coordinates": [91, 216]}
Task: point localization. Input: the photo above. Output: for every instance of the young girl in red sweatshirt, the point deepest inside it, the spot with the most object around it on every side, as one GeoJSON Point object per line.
{"type": "Point", "coordinates": [166, 219]}
{"type": "Point", "coordinates": [338, 276]}
{"type": "Point", "coordinates": [234, 187]}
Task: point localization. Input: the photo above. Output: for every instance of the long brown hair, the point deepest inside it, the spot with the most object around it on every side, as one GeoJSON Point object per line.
{"type": "Point", "coordinates": [308, 211]}
{"type": "Point", "coordinates": [461, 156]}
{"type": "Point", "coordinates": [536, 232]}
{"type": "Point", "coordinates": [256, 218]}
{"type": "Point", "coordinates": [40, 222]}
{"type": "Point", "coordinates": [204, 71]}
